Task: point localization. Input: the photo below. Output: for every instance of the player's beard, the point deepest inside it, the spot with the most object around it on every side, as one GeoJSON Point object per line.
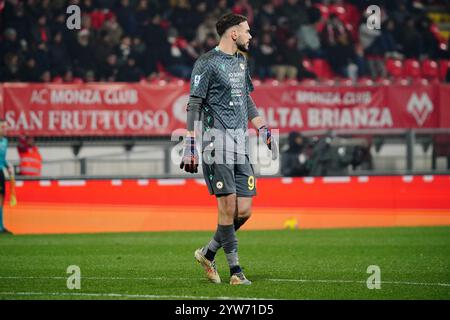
{"type": "Point", "coordinates": [242, 47]}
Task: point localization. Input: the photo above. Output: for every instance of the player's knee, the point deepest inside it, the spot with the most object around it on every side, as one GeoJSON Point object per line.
{"type": "Point", "coordinates": [245, 212]}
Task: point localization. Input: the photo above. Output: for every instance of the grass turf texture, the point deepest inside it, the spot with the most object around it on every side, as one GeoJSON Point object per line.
{"type": "Point", "coordinates": [287, 264]}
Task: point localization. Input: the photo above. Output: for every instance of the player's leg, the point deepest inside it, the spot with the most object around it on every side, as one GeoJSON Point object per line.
{"type": "Point", "coordinates": [245, 189]}
{"type": "Point", "coordinates": [243, 211]}
{"type": "Point", "coordinates": [220, 182]}
{"type": "Point", "coordinates": [227, 206]}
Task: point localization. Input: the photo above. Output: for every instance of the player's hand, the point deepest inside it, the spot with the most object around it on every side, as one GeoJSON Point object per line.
{"type": "Point", "coordinates": [190, 156]}
{"type": "Point", "coordinates": [266, 134]}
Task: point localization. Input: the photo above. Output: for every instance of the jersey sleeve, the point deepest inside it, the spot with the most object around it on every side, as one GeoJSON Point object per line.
{"type": "Point", "coordinates": [200, 78]}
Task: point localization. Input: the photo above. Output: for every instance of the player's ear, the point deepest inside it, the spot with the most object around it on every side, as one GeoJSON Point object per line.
{"type": "Point", "coordinates": [234, 34]}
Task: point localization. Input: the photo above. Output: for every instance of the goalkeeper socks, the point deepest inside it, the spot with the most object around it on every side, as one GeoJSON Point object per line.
{"type": "Point", "coordinates": [1, 219]}
{"type": "Point", "coordinates": [238, 222]}
{"type": "Point", "coordinates": [229, 243]}
{"type": "Point", "coordinates": [214, 245]}
{"type": "Point", "coordinates": [211, 249]}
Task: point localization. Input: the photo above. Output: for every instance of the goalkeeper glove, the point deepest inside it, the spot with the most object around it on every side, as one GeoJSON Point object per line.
{"type": "Point", "coordinates": [269, 140]}
{"type": "Point", "coordinates": [190, 156]}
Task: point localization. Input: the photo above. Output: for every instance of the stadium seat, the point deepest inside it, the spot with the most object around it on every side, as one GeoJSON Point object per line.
{"type": "Point", "coordinates": [322, 69]}
{"type": "Point", "coordinates": [57, 79]}
{"type": "Point", "coordinates": [443, 67]}
{"type": "Point", "coordinates": [291, 82]}
{"type": "Point", "coordinates": [347, 82]}
{"type": "Point", "coordinates": [308, 82]}
{"type": "Point", "coordinates": [394, 67]}
{"type": "Point", "coordinates": [383, 82]}
{"type": "Point", "coordinates": [411, 68]}
{"type": "Point", "coordinates": [364, 81]}
{"type": "Point", "coordinates": [404, 81]}
{"type": "Point", "coordinates": [272, 82]}
{"type": "Point", "coordinates": [420, 81]}
{"type": "Point", "coordinates": [430, 69]}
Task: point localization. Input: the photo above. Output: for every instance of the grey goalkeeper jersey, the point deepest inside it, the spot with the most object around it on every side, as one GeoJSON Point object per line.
{"type": "Point", "coordinates": [224, 83]}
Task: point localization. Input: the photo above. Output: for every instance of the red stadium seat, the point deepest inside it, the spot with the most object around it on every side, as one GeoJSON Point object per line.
{"type": "Point", "coordinates": [291, 82]}
{"type": "Point", "coordinates": [412, 68]}
{"type": "Point", "coordinates": [57, 79]}
{"type": "Point", "coordinates": [365, 81]}
{"type": "Point", "coordinates": [383, 82]}
{"type": "Point", "coordinates": [420, 81]}
{"type": "Point", "coordinates": [346, 82]}
{"type": "Point", "coordinates": [404, 81]}
{"type": "Point", "coordinates": [394, 67]}
{"type": "Point", "coordinates": [272, 82]}
{"type": "Point", "coordinates": [430, 69]}
{"type": "Point", "coordinates": [308, 82]}
{"type": "Point", "coordinates": [443, 67]}
{"type": "Point", "coordinates": [322, 69]}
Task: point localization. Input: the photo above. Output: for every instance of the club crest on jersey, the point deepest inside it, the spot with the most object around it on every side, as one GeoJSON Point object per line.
{"type": "Point", "coordinates": [242, 66]}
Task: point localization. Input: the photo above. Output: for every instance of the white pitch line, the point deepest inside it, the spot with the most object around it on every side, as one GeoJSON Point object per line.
{"type": "Point", "coordinates": [355, 281]}
{"type": "Point", "coordinates": [121, 295]}
{"type": "Point", "coordinates": [273, 280]}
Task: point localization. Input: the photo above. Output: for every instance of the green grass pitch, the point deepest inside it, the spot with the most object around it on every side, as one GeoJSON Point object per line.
{"type": "Point", "coordinates": [285, 264]}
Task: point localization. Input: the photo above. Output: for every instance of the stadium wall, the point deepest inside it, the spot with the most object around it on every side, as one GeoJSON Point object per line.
{"type": "Point", "coordinates": [89, 206]}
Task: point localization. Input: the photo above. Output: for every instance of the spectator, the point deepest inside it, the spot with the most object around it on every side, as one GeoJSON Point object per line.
{"type": "Point", "coordinates": [244, 8]}
{"type": "Point", "coordinates": [388, 39]}
{"type": "Point", "coordinates": [410, 39]}
{"type": "Point", "coordinates": [82, 54]}
{"type": "Point", "coordinates": [46, 76]}
{"type": "Point", "coordinates": [129, 72]}
{"type": "Point", "coordinates": [331, 31]}
{"type": "Point", "coordinates": [40, 32]}
{"type": "Point", "coordinates": [109, 69]}
{"type": "Point", "coordinates": [372, 45]}
{"type": "Point", "coordinates": [308, 38]}
{"type": "Point", "coordinates": [10, 43]}
{"type": "Point", "coordinates": [295, 162]}
{"type": "Point", "coordinates": [113, 30]}
{"type": "Point", "coordinates": [329, 158]}
{"type": "Point", "coordinates": [58, 55]}
{"type": "Point", "coordinates": [265, 54]}
{"type": "Point", "coordinates": [29, 71]}
{"type": "Point", "coordinates": [342, 57]}
{"type": "Point", "coordinates": [178, 55]}
{"type": "Point", "coordinates": [126, 17]}
{"type": "Point", "coordinates": [266, 15]}
{"type": "Point", "coordinates": [206, 28]}
{"type": "Point", "coordinates": [296, 13]}
{"type": "Point", "coordinates": [68, 76]}
{"type": "Point", "coordinates": [285, 66]}
{"type": "Point", "coordinates": [11, 71]}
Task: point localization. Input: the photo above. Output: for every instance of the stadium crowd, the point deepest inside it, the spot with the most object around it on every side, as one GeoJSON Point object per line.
{"type": "Point", "coordinates": [134, 40]}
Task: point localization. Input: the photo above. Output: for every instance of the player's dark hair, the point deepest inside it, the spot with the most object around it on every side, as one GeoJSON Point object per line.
{"type": "Point", "coordinates": [227, 21]}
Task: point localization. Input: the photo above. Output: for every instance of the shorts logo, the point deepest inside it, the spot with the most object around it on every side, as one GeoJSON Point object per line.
{"type": "Point", "coordinates": [219, 185]}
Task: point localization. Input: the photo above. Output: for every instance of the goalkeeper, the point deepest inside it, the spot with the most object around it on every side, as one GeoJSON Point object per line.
{"type": "Point", "coordinates": [219, 96]}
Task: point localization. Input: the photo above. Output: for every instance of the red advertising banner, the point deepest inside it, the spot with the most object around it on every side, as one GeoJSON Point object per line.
{"type": "Point", "coordinates": [144, 109]}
